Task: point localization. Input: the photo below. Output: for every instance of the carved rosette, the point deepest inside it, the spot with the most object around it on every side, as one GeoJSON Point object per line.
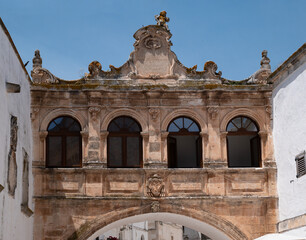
{"type": "Point", "coordinates": [155, 206]}
{"type": "Point", "coordinates": [155, 186]}
{"type": "Point", "coordinates": [94, 111]}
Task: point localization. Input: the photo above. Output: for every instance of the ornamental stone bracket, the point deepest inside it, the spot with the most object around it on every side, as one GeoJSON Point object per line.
{"type": "Point", "coordinates": [154, 113]}
{"type": "Point", "coordinates": [94, 113]}
{"type": "Point", "coordinates": [213, 112]}
{"type": "Point", "coordinates": [155, 186]}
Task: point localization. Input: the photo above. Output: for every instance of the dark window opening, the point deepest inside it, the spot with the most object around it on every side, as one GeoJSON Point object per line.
{"type": "Point", "coordinates": [124, 143]}
{"type": "Point", "coordinates": [64, 143]}
{"type": "Point", "coordinates": [184, 144]}
{"type": "Point", "coordinates": [243, 143]}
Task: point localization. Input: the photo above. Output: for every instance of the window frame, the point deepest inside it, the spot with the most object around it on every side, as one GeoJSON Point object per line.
{"type": "Point", "coordinates": [243, 132]}
{"type": "Point", "coordinates": [199, 152]}
{"type": "Point", "coordinates": [63, 135]}
{"type": "Point", "coordinates": [124, 135]}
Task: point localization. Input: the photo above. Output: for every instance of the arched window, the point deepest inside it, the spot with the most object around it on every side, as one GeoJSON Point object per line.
{"type": "Point", "coordinates": [243, 143]}
{"type": "Point", "coordinates": [64, 143]}
{"type": "Point", "coordinates": [184, 144]}
{"type": "Point", "coordinates": [124, 143]}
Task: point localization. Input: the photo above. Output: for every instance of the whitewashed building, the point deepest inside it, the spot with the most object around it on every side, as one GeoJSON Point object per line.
{"type": "Point", "coordinates": [16, 221]}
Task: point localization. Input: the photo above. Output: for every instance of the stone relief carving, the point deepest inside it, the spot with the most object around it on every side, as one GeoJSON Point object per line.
{"type": "Point", "coordinates": [94, 69]}
{"type": "Point", "coordinates": [39, 74]}
{"type": "Point", "coordinates": [94, 111]}
{"type": "Point", "coordinates": [152, 42]}
{"type": "Point", "coordinates": [213, 111]}
{"type": "Point", "coordinates": [155, 206]}
{"type": "Point", "coordinates": [260, 76]}
{"type": "Point", "coordinates": [155, 186]}
{"type": "Point", "coordinates": [154, 112]}
{"type": "Point", "coordinates": [12, 164]}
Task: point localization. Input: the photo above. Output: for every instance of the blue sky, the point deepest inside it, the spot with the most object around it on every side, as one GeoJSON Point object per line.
{"type": "Point", "coordinates": [232, 33]}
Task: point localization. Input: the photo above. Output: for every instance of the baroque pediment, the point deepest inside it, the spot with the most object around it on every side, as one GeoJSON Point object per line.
{"type": "Point", "coordinates": [151, 62]}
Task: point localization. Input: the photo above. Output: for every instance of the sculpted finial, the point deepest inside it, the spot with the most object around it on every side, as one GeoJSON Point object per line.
{"type": "Point", "coordinates": [37, 61]}
{"type": "Point", "coordinates": [265, 61]}
{"type": "Point", "coordinates": [162, 19]}
{"type": "Point", "coordinates": [94, 69]}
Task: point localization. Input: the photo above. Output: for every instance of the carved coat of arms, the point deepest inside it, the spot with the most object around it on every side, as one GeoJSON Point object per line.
{"type": "Point", "coordinates": [155, 186]}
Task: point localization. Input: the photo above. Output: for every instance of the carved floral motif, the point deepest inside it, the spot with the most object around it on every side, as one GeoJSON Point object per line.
{"type": "Point", "coordinates": [155, 186]}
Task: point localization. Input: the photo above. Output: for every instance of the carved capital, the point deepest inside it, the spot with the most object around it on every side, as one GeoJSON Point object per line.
{"type": "Point", "coordinates": [34, 112]}
{"type": "Point", "coordinates": [164, 135]}
{"type": "Point", "coordinates": [204, 135]}
{"type": "Point", "coordinates": [223, 134]}
{"type": "Point", "coordinates": [43, 135]}
{"type": "Point", "coordinates": [263, 135]}
{"type": "Point", "coordinates": [155, 186]}
{"type": "Point", "coordinates": [145, 135]}
{"type": "Point", "coordinates": [104, 134]}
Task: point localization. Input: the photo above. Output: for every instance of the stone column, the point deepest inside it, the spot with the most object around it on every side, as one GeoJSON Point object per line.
{"type": "Point", "coordinates": [42, 148]}
{"type": "Point", "coordinates": [164, 148]}
{"type": "Point", "coordinates": [103, 148]}
{"type": "Point", "coordinates": [205, 155]}
{"type": "Point", "coordinates": [93, 157]}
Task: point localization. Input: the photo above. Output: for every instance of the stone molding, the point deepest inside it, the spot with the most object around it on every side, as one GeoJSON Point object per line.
{"type": "Point", "coordinates": [49, 116]}
{"type": "Point", "coordinates": [124, 112]}
{"type": "Point", "coordinates": [90, 227]}
{"type": "Point", "coordinates": [292, 223]}
{"type": "Point", "coordinates": [186, 113]}
{"type": "Point", "coordinates": [242, 112]}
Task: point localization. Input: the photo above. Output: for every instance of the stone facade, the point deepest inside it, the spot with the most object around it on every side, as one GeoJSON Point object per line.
{"type": "Point", "coordinates": [153, 88]}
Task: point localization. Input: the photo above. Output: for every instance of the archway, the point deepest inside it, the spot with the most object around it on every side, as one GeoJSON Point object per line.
{"type": "Point", "coordinates": [189, 222]}
{"type": "Point", "coordinates": [207, 223]}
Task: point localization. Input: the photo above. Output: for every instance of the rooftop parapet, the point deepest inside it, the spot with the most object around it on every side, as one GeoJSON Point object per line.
{"type": "Point", "coordinates": [151, 62]}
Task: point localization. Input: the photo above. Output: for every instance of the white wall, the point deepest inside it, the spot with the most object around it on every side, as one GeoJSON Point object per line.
{"type": "Point", "coordinates": [289, 136]}
{"type": "Point", "coordinates": [14, 224]}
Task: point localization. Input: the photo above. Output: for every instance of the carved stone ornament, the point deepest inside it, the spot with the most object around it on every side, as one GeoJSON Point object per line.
{"type": "Point", "coordinates": [37, 60]}
{"type": "Point", "coordinates": [155, 186]}
{"type": "Point", "coordinates": [34, 113]}
{"type": "Point", "coordinates": [265, 61]}
{"type": "Point", "coordinates": [12, 164]}
{"type": "Point", "coordinates": [213, 111]}
{"type": "Point", "coordinates": [39, 74]}
{"type": "Point", "coordinates": [94, 69]}
{"type": "Point", "coordinates": [162, 19]}
{"type": "Point", "coordinates": [94, 111]}
{"type": "Point", "coordinates": [154, 112]}
{"type": "Point", "coordinates": [151, 42]}
{"type": "Point", "coordinates": [155, 206]}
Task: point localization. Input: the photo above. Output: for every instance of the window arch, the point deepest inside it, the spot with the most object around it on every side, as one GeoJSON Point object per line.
{"type": "Point", "coordinates": [184, 144]}
{"type": "Point", "coordinates": [64, 143]}
{"type": "Point", "coordinates": [124, 143]}
{"type": "Point", "coordinates": [243, 143]}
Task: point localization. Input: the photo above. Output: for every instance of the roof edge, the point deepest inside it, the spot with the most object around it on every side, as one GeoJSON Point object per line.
{"type": "Point", "coordinates": [275, 75]}
{"type": "Point", "coordinates": [15, 49]}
